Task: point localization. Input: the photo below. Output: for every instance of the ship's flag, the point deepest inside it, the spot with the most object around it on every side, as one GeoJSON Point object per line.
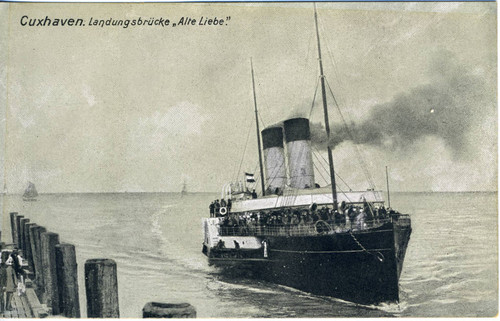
{"type": "Point", "coordinates": [250, 178]}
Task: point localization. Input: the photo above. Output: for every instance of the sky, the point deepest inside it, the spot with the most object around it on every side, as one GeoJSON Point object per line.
{"type": "Point", "coordinates": [143, 108]}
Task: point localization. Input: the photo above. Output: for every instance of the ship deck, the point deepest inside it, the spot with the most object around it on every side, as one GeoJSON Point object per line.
{"type": "Point", "coordinates": [310, 229]}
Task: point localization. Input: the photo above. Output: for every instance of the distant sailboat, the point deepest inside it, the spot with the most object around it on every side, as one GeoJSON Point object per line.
{"type": "Point", "coordinates": [184, 189]}
{"type": "Point", "coordinates": [30, 194]}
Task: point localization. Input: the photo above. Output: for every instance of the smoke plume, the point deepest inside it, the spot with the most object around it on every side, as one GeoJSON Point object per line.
{"type": "Point", "coordinates": [447, 107]}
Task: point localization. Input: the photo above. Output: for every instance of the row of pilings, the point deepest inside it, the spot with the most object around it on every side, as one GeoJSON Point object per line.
{"type": "Point", "coordinates": [52, 267]}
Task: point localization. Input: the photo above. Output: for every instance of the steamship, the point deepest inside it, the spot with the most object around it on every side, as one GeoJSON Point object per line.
{"type": "Point", "coordinates": [345, 245]}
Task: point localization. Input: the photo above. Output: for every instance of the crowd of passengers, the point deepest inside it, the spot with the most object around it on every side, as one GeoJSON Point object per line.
{"type": "Point", "coordinates": [348, 216]}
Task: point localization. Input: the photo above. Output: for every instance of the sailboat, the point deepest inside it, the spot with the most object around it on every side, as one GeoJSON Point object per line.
{"type": "Point", "coordinates": [346, 245]}
{"type": "Point", "coordinates": [30, 194]}
{"type": "Point", "coordinates": [184, 191]}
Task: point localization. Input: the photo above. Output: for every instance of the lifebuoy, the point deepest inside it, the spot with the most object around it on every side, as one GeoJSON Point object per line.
{"type": "Point", "coordinates": [223, 210]}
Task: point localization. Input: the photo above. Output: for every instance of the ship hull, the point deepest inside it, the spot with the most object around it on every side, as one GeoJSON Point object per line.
{"type": "Point", "coordinates": [360, 266]}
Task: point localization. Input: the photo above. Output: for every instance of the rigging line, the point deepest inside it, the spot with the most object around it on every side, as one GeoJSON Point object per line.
{"type": "Point", "coordinates": [332, 57]}
{"type": "Point", "coordinates": [342, 191]}
{"type": "Point", "coordinates": [322, 166]}
{"type": "Point", "coordinates": [262, 94]}
{"type": "Point", "coordinates": [314, 97]}
{"type": "Point", "coordinates": [320, 162]}
{"type": "Point", "coordinates": [244, 150]}
{"type": "Point", "coordinates": [262, 121]}
{"type": "Point", "coordinates": [334, 64]}
{"type": "Point", "coordinates": [295, 194]}
{"type": "Point", "coordinates": [351, 136]}
{"type": "Point", "coordinates": [363, 164]}
{"type": "Point", "coordinates": [320, 173]}
{"type": "Point", "coordinates": [347, 197]}
{"type": "Point", "coordinates": [306, 61]}
{"type": "Point", "coordinates": [347, 185]}
{"type": "Point", "coordinates": [276, 170]}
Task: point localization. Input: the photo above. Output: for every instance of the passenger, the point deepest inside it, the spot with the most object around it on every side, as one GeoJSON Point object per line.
{"type": "Point", "coordinates": [212, 209]}
{"type": "Point", "coordinates": [221, 245]}
{"type": "Point", "coordinates": [351, 214]}
{"type": "Point", "coordinates": [217, 208]}
{"type": "Point", "coordinates": [360, 220]}
{"type": "Point", "coordinates": [10, 286]}
{"type": "Point", "coordinates": [336, 217]}
{"type": "Point", "coordinates": [17, 263]}
{"type": "Point", "coordinates": [382, 212]}
{"type": "Point", "coordinates": [369, 215]}
{"type": "Point", "coordinates": [3, 284]}
{"type": "Point", "coordinates": [314, 217]}
{"type": "Point", "coordinates": [251, 226]}
{"type": "Point", "coordinates": [342, 206]}
{"type": "Point", "coordinates": [324, 214]}
{"type": "Point", "coordinates": [229, 205]}
{"type": "Point", "coordinates": [223, 203]}
{"type": "Point", "coordinates": [342, 219]}
{"type": "Point", "coordinates": [254, 194]}
{"type": "Point", "coordinates": [331, 214]}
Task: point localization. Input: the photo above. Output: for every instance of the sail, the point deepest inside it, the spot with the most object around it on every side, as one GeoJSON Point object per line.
{"type": "Point", "coordinates": [30, 192]}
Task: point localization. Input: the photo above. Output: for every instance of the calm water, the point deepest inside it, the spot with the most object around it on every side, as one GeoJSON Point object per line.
{"type": "Point", "coordinates": [451, 266]}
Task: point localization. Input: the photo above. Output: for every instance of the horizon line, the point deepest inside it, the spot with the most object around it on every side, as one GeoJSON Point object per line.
{"type": "Point", "coordinates": [216, 192]}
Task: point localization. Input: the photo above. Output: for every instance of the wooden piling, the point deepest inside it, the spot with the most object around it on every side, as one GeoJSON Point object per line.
{"type": "Point", "coordinates": [34, 257]}
{"type": "Point", "coordinates": [101, 287]}
{"type": "Point", "coordinates": [68, 280]}
{"type": "Point", "coordinates": [51, 296]}
{"type": "Point", "coordinates": [27, 244]}
{"type": "Point", "coordinates": [168, 310]}
{"type": "Point", "coordinates": [13, 226]}
{"type": "Point", "coordinates": [22, 241]}
{"type": "Point", "coordinates": [39, 280]}
{"type": "Point", "coordinates": [18, 230]}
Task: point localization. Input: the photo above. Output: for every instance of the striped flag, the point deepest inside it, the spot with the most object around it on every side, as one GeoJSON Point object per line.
{"type": "Point", "coordinates": [250, 178]}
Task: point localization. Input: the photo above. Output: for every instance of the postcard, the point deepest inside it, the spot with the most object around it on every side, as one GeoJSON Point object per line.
{"type": "Point", "coordinates": [249, 160]}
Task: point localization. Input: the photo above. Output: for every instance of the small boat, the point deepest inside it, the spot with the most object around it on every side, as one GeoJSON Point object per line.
{"type": "Point", "coordinates": [349, 245]}
{"type": "Point", "coordinates": [30, 194]}
{"type": "Point", "coordinates": [184, 191]}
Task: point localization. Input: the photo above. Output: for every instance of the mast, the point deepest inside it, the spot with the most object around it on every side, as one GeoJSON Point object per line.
{"type": "Point", "coordinates": [325, 109]}
{"type": "Point", "coordinates": [387, 180]}
{"type": "Point", "coordinates": [258, 133]}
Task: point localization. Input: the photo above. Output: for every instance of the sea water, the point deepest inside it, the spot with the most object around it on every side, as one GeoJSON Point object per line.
{"type": "Point", "coordinates": [450, 270]}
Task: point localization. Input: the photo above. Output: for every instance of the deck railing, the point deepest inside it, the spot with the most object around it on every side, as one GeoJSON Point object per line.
{"type": "Point", "coordinates": [302, 229]}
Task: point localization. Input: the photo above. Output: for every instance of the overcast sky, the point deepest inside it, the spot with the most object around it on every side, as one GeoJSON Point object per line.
{"type": "Point", "coordinates": [92, 109]}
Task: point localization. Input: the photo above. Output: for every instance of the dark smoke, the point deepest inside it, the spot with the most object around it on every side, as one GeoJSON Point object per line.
{"type": "Point", "coordinates": [447, 107]}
